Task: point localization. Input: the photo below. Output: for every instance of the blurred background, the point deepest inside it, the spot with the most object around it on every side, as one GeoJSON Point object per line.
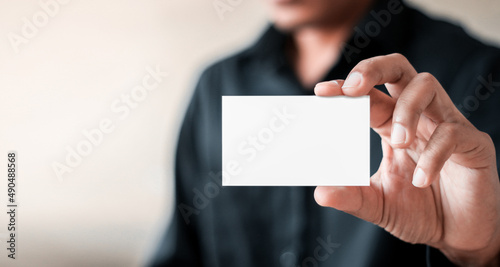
{"type": "Point", "coordinates": [69, 67]}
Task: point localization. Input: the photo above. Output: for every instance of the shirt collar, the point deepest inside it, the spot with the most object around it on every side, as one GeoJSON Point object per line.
{"type": "Point", "coordinates": [380, 39]}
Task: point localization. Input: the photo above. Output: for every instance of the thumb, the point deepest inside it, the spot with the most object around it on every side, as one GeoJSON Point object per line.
{"type": "Point", "coordinates": [361, 201]}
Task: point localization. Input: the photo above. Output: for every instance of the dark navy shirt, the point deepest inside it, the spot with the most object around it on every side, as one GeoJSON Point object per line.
{"type": "Point", "coordinates": [283, 226]}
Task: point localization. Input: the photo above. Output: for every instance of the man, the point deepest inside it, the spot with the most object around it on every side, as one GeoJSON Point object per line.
{"type": "Point", "coordinates": [434, 197]}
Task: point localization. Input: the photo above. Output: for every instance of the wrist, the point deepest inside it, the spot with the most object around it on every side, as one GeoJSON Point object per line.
{"type": "Point", "coordinates": [489, 255]}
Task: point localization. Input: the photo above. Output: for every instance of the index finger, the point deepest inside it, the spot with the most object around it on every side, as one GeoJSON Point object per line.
{"type": "Point", "coordinates": [393, 70]}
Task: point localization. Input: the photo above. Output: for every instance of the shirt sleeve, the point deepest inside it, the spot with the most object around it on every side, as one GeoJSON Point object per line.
{"type": "Point", "coordinates": [180, 244]}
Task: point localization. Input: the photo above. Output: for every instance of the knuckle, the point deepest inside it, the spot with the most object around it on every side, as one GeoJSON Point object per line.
{"type": "Point", "coordinates": [485, 150]}
{"type": "Point", "coordinates": [450, 129]}
{"type": "Point", "coordinates": [409, 106]}
{"type": "Point", "coordinates": [426, 78]}
{"type": "Point", "coordinates": [432, 153]}
{"type": "Point", "coordinates": [487, 139]}
{"type": "Point", "coordinates": [399, 56]}
{"type": "Point", "coordinates": [365, 64]}
{"type": "Point", "coordinates": [404, 106]}
{"type": "Point", "coordinates": [368, 68]}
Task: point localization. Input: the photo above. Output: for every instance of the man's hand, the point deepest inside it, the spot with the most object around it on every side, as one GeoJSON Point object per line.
{"type": "Point", "coordinates": [437, 183]}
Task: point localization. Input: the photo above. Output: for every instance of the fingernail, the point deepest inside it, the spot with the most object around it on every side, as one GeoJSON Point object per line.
{"type": "Point", "coordinates": [323, 88]}
{"type": "Point", "coordinates": [320, 88]}
{"type": "Point", "coordinates": [353, 80]}
{"type": "Point", "coordinates": [334, 82]}
{"type": "Point", "coordinates": [398, 135]}
{"type": "Point", "coordinates": [419, 178]}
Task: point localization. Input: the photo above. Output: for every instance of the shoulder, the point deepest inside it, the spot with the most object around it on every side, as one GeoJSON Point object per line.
{"type": "Point", "coordinates": [447, 51]}
{"type": "Point", "coordinates": [228, 65]}
{"type": "Point", "coordinates": [443, 40]}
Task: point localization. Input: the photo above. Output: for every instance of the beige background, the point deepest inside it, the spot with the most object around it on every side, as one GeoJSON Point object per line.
{"type": "Point", "coordinates": [111, 209]}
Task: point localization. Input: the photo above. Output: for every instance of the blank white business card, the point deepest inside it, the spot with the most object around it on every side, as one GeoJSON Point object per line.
{"type": "Point", "coordinates": [295, 141]}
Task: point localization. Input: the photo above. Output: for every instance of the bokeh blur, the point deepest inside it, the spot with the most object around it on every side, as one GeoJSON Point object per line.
{"type": "Point", "coordinates": [95, 149]}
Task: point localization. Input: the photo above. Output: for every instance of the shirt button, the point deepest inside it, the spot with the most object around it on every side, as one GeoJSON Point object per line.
{"type": "Point", "coordinates": [288, 259]}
